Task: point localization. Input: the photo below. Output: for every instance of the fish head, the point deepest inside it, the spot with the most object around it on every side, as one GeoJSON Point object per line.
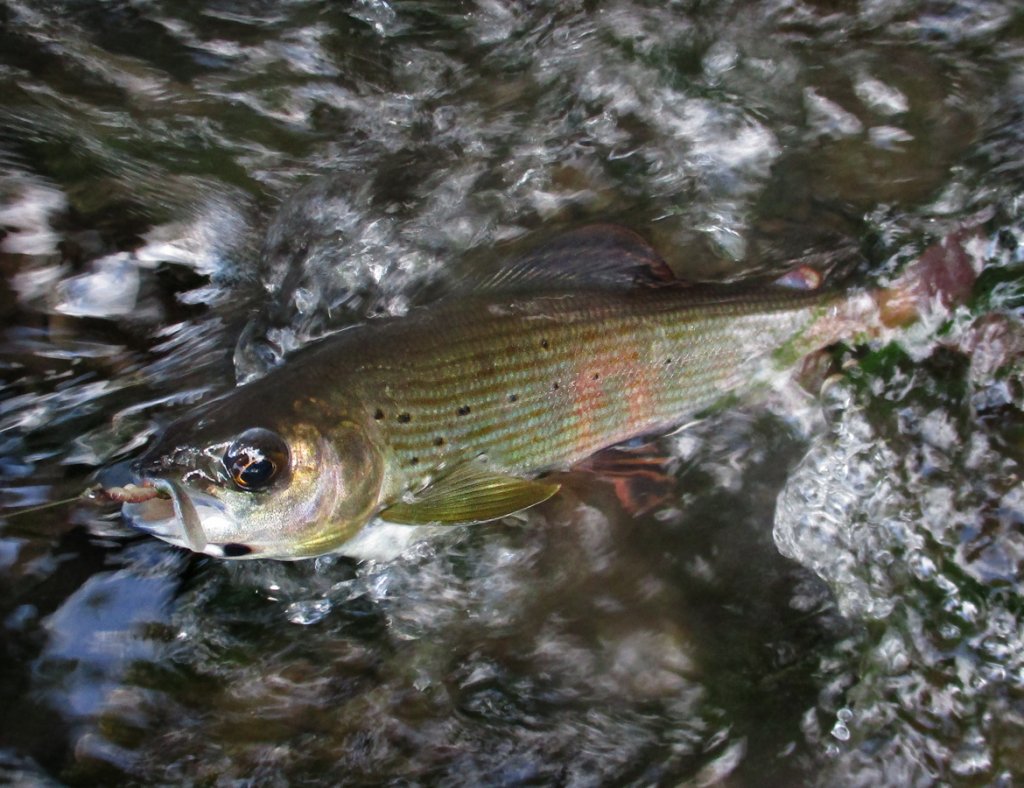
{"type": "Point", "coordinates": [244, 479]}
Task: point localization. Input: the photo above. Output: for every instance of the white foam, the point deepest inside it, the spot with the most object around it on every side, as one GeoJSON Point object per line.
{"type": "Point", "coordinates": [109, 289]}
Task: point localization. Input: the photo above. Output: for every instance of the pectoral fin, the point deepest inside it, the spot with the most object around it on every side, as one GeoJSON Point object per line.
{"type": "Point", "coordinates": [470, 494]}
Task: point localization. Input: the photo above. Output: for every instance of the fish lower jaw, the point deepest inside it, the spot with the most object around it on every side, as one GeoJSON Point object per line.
{"type": "Point", "coordinates": [157, 517]}
{"type": "Point", "coordinates": [377, 540]}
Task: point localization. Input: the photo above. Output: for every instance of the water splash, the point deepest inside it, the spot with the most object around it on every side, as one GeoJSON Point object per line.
{"type": "Point", "coordinates": [921, 514]}
{"type": "Point", "coordinates": [390, 145]}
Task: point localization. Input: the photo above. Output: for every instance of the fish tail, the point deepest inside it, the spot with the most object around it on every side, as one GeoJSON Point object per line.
{"type": "Point", "coordinates": [928, 288]}
{"type": "Point", "coordinates": [940, 279]}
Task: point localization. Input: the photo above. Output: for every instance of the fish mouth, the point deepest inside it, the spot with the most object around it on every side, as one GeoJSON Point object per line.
{"type": "Point", "coordinates": [183, 518]}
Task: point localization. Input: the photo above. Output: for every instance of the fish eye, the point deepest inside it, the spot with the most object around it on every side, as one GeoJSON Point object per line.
{"type": "Point", "coordinates": [255, 459]}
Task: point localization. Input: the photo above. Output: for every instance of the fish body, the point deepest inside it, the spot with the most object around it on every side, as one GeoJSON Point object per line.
{"type": "Point", "coordinates": [537, 383]}
{"type": "Point", "coordinates": [453, 412]}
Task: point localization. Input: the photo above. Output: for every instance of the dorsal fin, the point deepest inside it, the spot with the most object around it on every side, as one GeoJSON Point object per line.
{"type": "Point", "coordinates": [599, 255]}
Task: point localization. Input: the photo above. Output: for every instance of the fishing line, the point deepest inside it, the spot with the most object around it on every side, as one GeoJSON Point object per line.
{"type": "Point", "coordinates": [87, 494]}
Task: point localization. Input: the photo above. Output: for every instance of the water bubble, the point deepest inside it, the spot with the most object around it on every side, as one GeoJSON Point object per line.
{"type": "Point", "coordinates": [922, 566]}
{"type": "Point", "coordinates": [828, 118]}
{"type": "Point", "coordinates": [881, 97]}
{"type": "Point", "coordinates": [721, 57]}
{"type": "Point", "coordinates": [308, 612]}
{"type": "Point", "coordinates": [891, 653]}
{"type": "Point", "coordinates": [994, 672]}
{"type": "Point", "coordinates": [888, 137]}
{"type": "Point", "coordinates": [27, 208]}
{"type": "Point", "coordinates": [841, 732]}
{"type": "Point", "coordinates": [820, 515]}
{"type": "Point", "coordinates": [717, 772]}
{"type": "Point", "coordinates": [108, 290]}
{"type": "Point", "coordinates": [972, 761]}
{"type": "Point", "coordinates": [949, 632]}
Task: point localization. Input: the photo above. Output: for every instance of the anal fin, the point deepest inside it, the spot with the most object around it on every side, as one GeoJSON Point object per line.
{"type": "Point", "coordinates": [642, 479]}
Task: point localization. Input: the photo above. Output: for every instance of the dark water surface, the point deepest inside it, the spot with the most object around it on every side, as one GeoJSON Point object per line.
{"type": "Point", "coordinates": [190, 190]}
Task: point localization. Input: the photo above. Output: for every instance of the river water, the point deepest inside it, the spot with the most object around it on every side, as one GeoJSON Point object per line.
{"type": "Point", "coordinates": [832, 594]}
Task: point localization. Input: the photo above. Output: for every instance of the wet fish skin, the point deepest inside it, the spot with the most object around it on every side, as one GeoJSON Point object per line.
{"type": "Point", "coordinates": [543, 382]}
{"type": "Point", "coordinates": [450, 413]}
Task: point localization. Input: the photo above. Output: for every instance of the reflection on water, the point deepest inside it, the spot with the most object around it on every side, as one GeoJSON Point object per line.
{"type": "Point", "coordinates": [831, 594]}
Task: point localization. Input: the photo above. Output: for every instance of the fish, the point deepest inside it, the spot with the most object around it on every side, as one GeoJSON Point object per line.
{"type": "Point", "coordinates": [460, 411]}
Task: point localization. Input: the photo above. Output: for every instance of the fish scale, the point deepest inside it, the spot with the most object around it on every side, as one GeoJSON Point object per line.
{"type": "Point", "coordinates": [661, 355]}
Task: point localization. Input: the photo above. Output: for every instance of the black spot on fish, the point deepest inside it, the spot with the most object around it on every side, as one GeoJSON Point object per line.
{"type": "Point", "coordinates": [513, 397]}
{"type": "Point", "coordinates": [414, 461]}
{"type": "Point", "coordinates": [464, 410]}
{"type": "Point", "coordinates": [378, 414]}
{"type": "Point", "coordinates": [668, 360]}
{"type": "Point", "coordinates": [235, 550]}
{"type": "Point", "coordinates": [555, 385]}
{"type": "Point", "coordinates": [544, 344]}
{"type": "Point", "coordinates": [597, 376]}
{"type": "Point", "coordinates": [404, 418]}
{"type": "Point", "coordinates": [439, 441]}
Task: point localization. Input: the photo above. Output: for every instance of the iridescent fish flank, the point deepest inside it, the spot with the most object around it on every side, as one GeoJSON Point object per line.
{"type": "Point", "coordinates": [453, 413]}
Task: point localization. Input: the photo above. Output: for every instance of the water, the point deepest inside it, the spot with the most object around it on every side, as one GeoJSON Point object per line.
{"type": "Point", "coordinates": [832, 594]}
